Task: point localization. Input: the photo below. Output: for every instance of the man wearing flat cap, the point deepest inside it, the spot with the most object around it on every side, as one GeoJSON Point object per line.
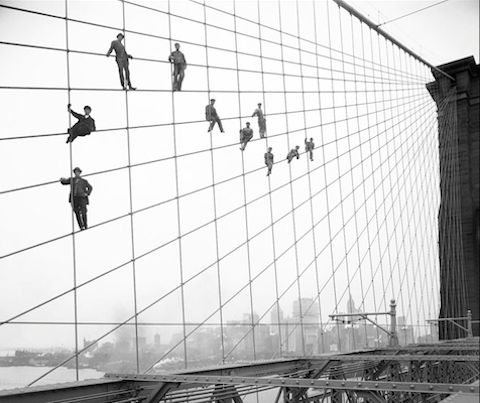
{"type": "Point", "coordinates": [212, 116]}
{"type": "Point", "coordinates": [80, 189]}
{"type": "Point", "coordinates": [177, 58]}
{"type": "Point", "coordinates": [84, 126]}
{"type": "Point", "coordinates": [121, 56]}
{"type": "Point", "coordinates": [246, 135]}
{"type": "Point", "coordinates": [262, 125]}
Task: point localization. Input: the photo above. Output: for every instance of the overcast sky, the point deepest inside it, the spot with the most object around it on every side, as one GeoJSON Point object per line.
{"type": "Point", "coordinates": [352, 236]}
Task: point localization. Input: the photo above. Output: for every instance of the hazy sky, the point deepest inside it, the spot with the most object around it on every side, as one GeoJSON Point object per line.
{"type": "Point", "coordinates": [211, 237]}
{"type": "Point", "coordinates": [440, 34]}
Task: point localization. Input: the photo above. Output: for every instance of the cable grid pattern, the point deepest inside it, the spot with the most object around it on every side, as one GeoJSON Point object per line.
{"type": "Point", "coordinates": [189, 242]}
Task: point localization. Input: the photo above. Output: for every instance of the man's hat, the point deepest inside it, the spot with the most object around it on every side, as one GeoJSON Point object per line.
{"type": "Point", "coordinates": [248, 123]}
{"type": "Point", "coordinates": [87, 107]}
{"type": "Point", "coordinates": [77, 169]}
{"type": "Point", "coordinates": [123, 36]}
{"type": "Point", "coordinates": [212, 100]}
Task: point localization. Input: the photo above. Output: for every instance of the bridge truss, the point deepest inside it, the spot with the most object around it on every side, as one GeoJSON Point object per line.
{"type": "Point", "coordinates": [417, 373]}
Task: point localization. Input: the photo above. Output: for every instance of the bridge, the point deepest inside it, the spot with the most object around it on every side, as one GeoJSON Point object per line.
{"type": "Point", "coordinates": [347, 274]}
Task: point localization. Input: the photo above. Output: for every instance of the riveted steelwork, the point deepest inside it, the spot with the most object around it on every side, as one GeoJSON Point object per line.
{"type": "Point", "coordinates": [416, 373]}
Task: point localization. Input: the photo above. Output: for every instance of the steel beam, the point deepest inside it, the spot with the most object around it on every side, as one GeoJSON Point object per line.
{"type": "Point", "coordinates": [324, 383]}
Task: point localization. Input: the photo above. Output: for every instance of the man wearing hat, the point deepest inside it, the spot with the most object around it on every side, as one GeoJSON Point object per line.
{"type": "Point", "coordinates": [212, 117]}
{"type": "Point", "coordinates": [84, 126]}
{"type": "Point", "coordinates": [121, 56]}
{"type": "Point", "coordinates": [246, 135]}
{"type": "Point", "coordinates": [262, 126]}
{"type": "Point", "coordinates": [293, 153]}
{"type": "Point", "coordinates": [179, 66]}
{"type": "Point", "coordinates": [269, 160]}
{"type": "Point", "coordinates": [309, 146]}
{"type": "Point", "coordinates": [80, 189]}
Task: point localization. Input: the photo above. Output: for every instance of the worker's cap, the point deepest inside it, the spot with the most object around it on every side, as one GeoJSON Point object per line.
{"type": "Point", "coordinates": [259, 104]}
{"type": "Point", "coordinates": [87, 107]}
{"type": "Point", "coordinates": [176, 43]}
{"type": "Point", "coordinates": [77, 169]}
{"type": "Point", "coordinates": [212, 100]}
{"type": "Point", "coordinates": [120, 35]}
{"type": "Point", "coordinates": [297, 147]}
{"type": "Point", "coordinates": [248, 123]}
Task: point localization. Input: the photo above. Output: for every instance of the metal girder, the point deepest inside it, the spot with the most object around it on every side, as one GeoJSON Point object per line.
{"type": "Point", "coordinates": [160, 391]}
{"type": "Point", "coordinates": [370, 396]}
{"type": "Point", "coordinates": [406, 357]}
{"type": "Point", "coordinates": [98, 390]}
{"type": "Point", "coordinates": [324, 383]}
{"type": "Point", "coordinates": [442, 368]}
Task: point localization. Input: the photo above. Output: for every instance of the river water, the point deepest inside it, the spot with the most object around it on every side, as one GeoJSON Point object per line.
{"type": "Point", "coordinates": [19, 377]}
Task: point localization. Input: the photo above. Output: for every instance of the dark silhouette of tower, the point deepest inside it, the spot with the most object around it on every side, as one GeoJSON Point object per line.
{"type": "Point", "coordinates": [459, 215]}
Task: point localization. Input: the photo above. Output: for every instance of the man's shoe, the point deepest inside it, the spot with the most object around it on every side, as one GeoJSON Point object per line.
{"type": "Point", "coordinates": [133, 88]}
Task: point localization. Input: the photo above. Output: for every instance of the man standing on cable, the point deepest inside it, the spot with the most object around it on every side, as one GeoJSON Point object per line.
{"type": "Point", "coordinates": [179, 66]}
{"type": "Point", "coordinates": [269, 160]}
{"type": "Point", "coordinates": [292, 154]}
{"type": "Point", "coordinates": [121, 56]}
{"type": "Point", "coordinates": [80, 189]}
{"type": "Point", "coordinates": [84, 126]}
{"type": "Point", "coordinates": [262, 126]}
{"type": "Point", "coordinates": [309, 146]}
{"type": "Point", "coordinates": [212, 117]}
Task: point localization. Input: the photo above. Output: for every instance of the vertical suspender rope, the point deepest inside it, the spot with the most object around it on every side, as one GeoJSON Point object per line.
{"type": "Point", "coordinates": [364, 189]}
{"type": "Point", "coordinates": [300, 308]}
{"type": "Point", "coordinates": [179, 227]}
{"type": "Point", "coordinates": [326, 182]}
{"type": "Point", "coordinates": [377, 308]}
{"type": "Point", "coordinates": [312, 220]}
{"type": "Point", "coordinates": [434, 279]}
{"type": "Point", "coordinates": [274, 252]}
{"type": "Point", "coordinates": [252, 310]}
{"type": "Point", "coordinates": [340, 171]}
{"type": "Point", "coordinates": [316, 300]}
{"type": "Point", "coordinates": [215, 216]}
{"type": "Point", "coordinates": [407, 313]}
{"type": "Point", "coordinates": [355, 209]}
{"type": "Point", "coordinates": [384, 223]}
{"type": "Point", "coordinates": [426, 247]}
{"type": "Point", "coordinates": [391, 265]}
{"type": "Point", "coordinates": [132, 232]}
{"type": "Point", "coordinates": [72, 203]}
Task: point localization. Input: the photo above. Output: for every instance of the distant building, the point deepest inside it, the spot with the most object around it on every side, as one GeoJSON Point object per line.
{"type": "Point", "coordinates": [156, 340]}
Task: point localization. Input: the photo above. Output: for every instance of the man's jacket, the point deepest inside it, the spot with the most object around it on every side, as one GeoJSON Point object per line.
{"type": "Point", "coordinates": [79, 187]}
{"type": "Point", "coordinates": [84, 125]}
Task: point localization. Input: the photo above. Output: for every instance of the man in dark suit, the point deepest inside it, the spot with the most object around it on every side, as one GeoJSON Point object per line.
{"type": "Point", "coordinates": [84, 126]}
{"type": "Point", "coordinates": [269, 160]}
{"type": "Point", "coordinates": [212, 116]}
{"type": "Point", "coordinates": [246, 134]}
{"type": "Point", "coordinates": [80, 189]}
{"type": "Point", "coordinates": [177, 58]}
{"type": "Point", "coordinates": [121, 57]}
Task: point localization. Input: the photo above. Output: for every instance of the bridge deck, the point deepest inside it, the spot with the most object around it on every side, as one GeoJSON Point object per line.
{"type": "Point", "coordinates": [447, 371]}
